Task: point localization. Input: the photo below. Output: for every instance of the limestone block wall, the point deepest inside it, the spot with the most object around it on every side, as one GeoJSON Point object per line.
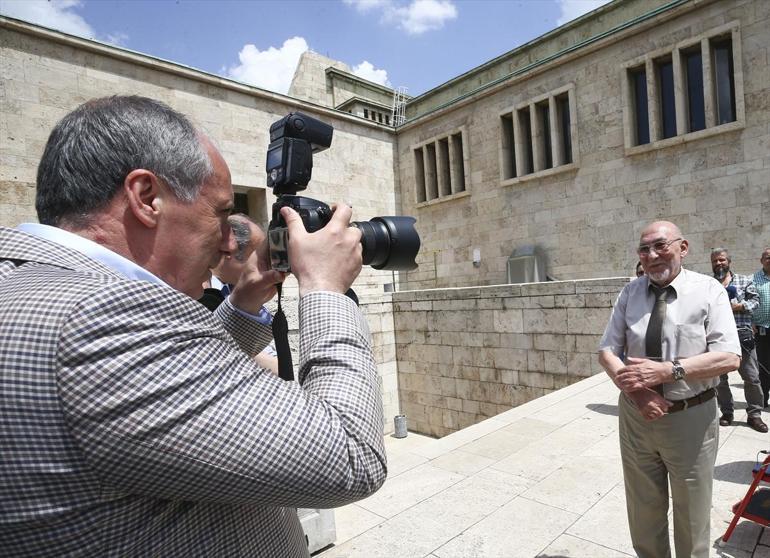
{"type": "Point", "coordinates": [466, 354]}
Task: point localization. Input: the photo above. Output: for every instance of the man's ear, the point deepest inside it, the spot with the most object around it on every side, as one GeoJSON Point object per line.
{"type": "Point", "coordinates": [685, 247]}
{"type": "Point", "coordinates": [144, 194]}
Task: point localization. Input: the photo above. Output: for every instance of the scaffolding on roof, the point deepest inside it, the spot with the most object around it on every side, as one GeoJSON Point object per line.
{"type": "Point", "coordinates": [398, 115]}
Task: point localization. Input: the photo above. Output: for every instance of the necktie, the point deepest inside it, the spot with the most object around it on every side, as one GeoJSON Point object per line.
{"type": "Point", "coordinates": [653, 339]}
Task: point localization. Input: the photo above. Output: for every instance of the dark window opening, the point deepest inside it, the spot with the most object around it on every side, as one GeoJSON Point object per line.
{"type": "Point", "coordinates": [431, 172]}
{"type": "Point", "coordinates": [444, 177]}
{"type": "Point", "coordinates": [667, 104]}
{"type": "Point", "coordinates": [696, 111]}
{"type": "Point", "coordinates": [458, 163]}
{"type": "Point", "coordinates": [641, 114]}
{"type": "Point", "coordinates": [526, 129]}
{"type": "Point", "coordinates": [509, 146]}
{"type": "Point", "coordinates": [562, 108]}
{"type": "Point", "coordinates": [724, 80]}
{"type": "Point", "coordinates": [419, 174]}
{"type": "Point", "coordinates": [544, 114]}
{"type": "Point", "coordinates": [366, 113]}
{"type": "Point", "coordinates": [241, 203]}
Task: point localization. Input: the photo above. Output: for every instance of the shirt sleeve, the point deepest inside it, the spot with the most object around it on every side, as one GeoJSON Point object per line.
{"type": "Point", "coordinates": [721, 332]}
{"type": "Point", "coordinates": [750, 296]}
{"type": "Point", "coordinates": [614, 338]}
{"type": "Point", "coordinates": [165, 404]}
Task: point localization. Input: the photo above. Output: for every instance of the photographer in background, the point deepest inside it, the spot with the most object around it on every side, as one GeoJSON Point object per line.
{"type": "Point", "coordinates": [135, 421]}
{"type": "Point", "coordinates": [743, 301]}
{"type": "Point", "coordinates": [248, 237]}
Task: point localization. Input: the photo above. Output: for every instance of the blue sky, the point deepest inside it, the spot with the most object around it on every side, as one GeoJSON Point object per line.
{"type": "Point", "coordinates": [418, 44]}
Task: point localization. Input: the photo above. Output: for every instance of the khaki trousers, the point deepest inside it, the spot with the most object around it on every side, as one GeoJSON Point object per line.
{"type": "Point", "coordinates": [679, 448]}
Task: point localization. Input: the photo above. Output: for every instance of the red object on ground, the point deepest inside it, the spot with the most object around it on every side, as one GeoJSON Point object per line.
{"type": "Point", "coordinates": [755, 505]}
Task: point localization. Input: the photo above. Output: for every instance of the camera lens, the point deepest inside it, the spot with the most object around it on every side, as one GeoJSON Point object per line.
{"type": "Point", "coordinates": [389, 242]}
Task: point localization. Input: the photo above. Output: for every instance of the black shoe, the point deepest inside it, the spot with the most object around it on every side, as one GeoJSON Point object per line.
{"type": "Point", "coordinates": [726, 419]}
{"type": "Point", "coordinates": [757, 424]}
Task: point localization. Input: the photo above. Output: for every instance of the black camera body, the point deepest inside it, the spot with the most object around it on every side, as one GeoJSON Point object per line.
{"type": "Point", "coordinates": [388, 242]}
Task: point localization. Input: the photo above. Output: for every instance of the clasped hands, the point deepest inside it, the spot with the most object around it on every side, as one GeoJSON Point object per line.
{"type": "Point", "coordinates": [637, 379]}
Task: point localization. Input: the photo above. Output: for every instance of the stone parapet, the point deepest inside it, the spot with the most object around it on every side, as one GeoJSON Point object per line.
{"type": "Point", "coordinates": [466, 354]}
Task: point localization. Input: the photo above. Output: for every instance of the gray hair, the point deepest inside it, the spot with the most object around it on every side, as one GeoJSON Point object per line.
{"type": "Point", "coordinates": [91, 151]}
{"type": "Point", "coordinates": [241, 227]}
{"type": "Point", "coordinates": [717, 251]}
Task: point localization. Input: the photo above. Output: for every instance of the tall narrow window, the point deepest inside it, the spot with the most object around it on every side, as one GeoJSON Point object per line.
{"type": "Point", "coordinates": [366, 113]}
{"type": "Point", "coordinates": [526, 132]}
{"type": "Point", "coordinates": [639, 98]}
{"type": "Point", "coordinates": [544, 115]}
{"type": "Point", "coordinates": [562, 108]}
{"type": "Point", "coordinates": [458, 162]}
{"type": "Point", "coordinates": [431, 176]}
{"type": "Point", "coordinates": [667, 103]}
{"type": "Point", "coordinates": [444, 176]}
{"type": "Point", "coordinates": [693, 65]}
{"type": "Point", "coordinates": [419, 174]}
{"type": "Point", "coordinates": [724, 80]}
{"type": "Point", "coordinates": [508, 146]}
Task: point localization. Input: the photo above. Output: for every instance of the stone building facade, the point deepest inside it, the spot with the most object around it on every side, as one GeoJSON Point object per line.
{"type": "Point", "coordinates": [640, 110]}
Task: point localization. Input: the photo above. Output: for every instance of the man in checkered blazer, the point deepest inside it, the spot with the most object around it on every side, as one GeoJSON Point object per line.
{"type": "Point", "coordinates": [133, 421]}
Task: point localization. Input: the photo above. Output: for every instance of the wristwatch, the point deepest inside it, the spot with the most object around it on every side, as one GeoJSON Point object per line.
{"type": "Point", "coordinates": [677, 371]}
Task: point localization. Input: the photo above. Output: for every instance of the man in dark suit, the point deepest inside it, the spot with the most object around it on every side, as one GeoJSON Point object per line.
{"type": "Point", "coordinates": [134, 420]}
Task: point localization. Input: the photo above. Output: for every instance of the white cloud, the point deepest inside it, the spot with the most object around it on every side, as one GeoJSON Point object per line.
{"type": "Point", "coordinates": [572, 9]}
{"type": "Point", "coordinates": [271, 69]}
{"type": "Point", "coordinates": [416, 17]}
{"type": "Point", "coordinates": [367, 71]}
{"type": "Point", "coordinates": [59, 15]}
{"type": "Point", "coordinates": [423, 15]}
{"type": "Point", "coordinates": [56, 14]}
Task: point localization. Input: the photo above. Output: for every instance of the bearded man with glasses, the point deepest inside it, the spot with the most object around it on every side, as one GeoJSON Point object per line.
{"type": "Point", "coordinates": [677, 331]}
{"type": "Point", "coordinates": [744, 300]}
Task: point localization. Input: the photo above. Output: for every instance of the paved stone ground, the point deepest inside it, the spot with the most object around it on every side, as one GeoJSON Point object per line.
{"type": "Point", "coordinates": [541, 480]}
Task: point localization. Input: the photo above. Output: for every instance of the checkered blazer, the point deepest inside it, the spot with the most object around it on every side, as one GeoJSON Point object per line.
{"type": "Point", "coordinates": [133, 421]}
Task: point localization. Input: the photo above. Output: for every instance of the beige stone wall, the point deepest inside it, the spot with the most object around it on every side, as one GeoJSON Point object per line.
{"type": "Point", "coordinates": [587, 219]}
{"type": "Point", "coordinates": [310, 83]}
{"type": "Point", "coordinates": [467, 354]}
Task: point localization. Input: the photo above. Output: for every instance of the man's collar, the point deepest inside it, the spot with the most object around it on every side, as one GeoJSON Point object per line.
{"type": "Point", "coordinates": [675, 283]}
{"type": "Point", "coordinates": [91, 249]}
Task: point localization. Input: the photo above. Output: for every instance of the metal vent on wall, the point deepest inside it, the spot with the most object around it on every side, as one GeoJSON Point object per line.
{"type": "Point", "coordinates": [526, 265]}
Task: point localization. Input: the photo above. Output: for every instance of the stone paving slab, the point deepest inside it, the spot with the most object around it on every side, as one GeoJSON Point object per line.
{"type": "Point", "coordinates": [541, 480]}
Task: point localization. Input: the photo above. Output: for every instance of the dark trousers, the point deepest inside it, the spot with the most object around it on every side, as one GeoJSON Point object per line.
{"type": "Point", "coordinates": [763, 360]}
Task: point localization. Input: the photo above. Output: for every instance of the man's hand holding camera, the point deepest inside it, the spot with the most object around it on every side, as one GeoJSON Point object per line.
{"type": "Point", "coordinates": [328, 259]}
{"type": "Point", "coordinates": [257, 282]}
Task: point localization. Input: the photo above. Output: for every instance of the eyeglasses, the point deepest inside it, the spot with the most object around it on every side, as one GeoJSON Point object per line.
{"type": "Point", "coordinates": [659, 247]}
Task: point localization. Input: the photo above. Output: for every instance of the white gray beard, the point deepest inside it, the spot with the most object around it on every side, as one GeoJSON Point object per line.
{"type": "Point", "coordinates": [661, 277]}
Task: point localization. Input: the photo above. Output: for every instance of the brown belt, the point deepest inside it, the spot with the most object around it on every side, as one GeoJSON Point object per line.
{"type": "Point", "coordinates": [683, 404]}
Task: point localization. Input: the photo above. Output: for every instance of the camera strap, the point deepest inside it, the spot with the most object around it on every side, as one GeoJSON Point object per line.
{"type": "Point", "coordinates": [281, 336]}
